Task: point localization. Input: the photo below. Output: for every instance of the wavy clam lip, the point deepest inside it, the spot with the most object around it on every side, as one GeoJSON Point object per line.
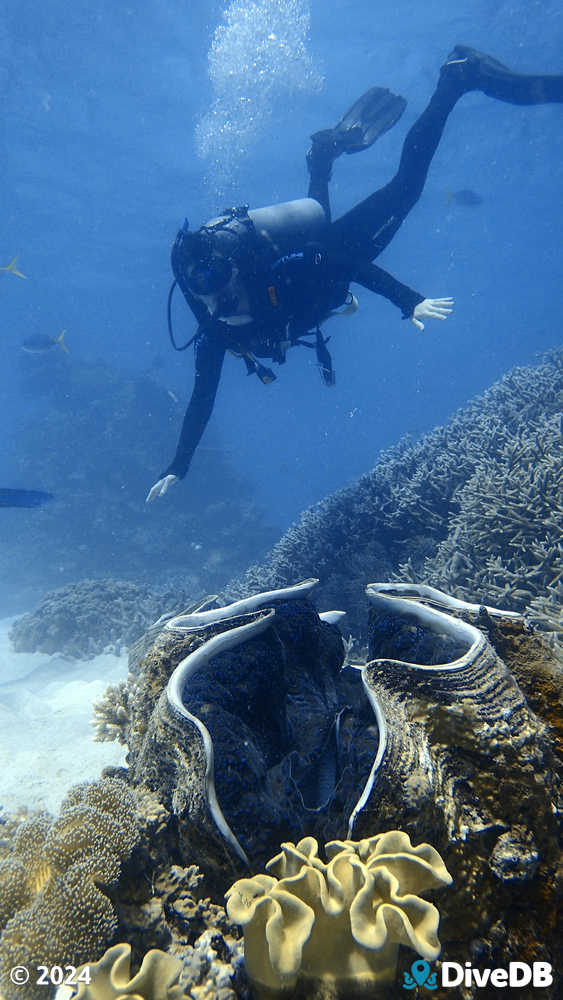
{"type": "Point", "coordinates": [438, 622]}
{"type": "Point", "coordinates": [409, 603]}
{"type": "Point", "coordinates": [424, 594]}
{"type": "Point", "coordinates": [174, 694]}
{"type": "Point", "coordinates": [230, 639]}
{"type": "Point", "coordinates": [243, 607]}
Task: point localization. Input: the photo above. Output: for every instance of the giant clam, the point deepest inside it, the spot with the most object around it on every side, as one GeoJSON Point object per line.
{"type": "Point", "coordinates": [247, 741]}
{"type": "Point", "coordinates": [248, 729]}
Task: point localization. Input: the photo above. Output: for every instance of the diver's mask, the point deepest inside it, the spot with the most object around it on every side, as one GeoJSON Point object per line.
{"type": "Point", "coordinates": [208, 277]}
{"type": "Point", "coordinates": [209, 256]}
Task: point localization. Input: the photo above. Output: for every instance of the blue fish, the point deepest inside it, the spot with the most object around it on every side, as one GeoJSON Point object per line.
{"type": "Point", "coordinates": [24, 498]}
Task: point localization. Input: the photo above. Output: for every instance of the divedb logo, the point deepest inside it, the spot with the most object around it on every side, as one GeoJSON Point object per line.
{"type": "Point", "coordinates": [452, 974]}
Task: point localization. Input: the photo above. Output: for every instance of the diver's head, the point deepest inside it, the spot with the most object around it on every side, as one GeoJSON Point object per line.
{"type": "Point", "coordinates": [207, 265]}
{"type": "Point", "coordinates": [209, 276]}
{"type": "Point", "coordinates": [209, 259]}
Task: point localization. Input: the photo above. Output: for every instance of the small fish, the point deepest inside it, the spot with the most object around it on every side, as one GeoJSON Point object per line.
{"type": "Point", "coordinates": [465, 197]}
{"type": "Point", "coordinates": [12, 268]}
{"type": "Point", "coordinates": [40, 343]}
{"type": "Point", "coordinates": [24, 498]}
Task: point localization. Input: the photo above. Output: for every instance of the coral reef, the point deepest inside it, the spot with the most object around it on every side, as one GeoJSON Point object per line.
{"type": "Point", "coordinates": [90, 617]}
{"type": "Point", "coordinates": [54, 882]}
{"type": "Point", "coordinates": [402, 510]}
{"type": "Point", "coordinates": [340, 922]}
{"type": "Point", "coordinates": [244, 730]}
{"type": "Point", "coordinates": [504, 542]}
{"type": "Point", "coordinates": [247, 727]}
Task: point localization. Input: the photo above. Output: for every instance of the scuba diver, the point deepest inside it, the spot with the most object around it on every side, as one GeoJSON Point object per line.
{"type": "Point", "coordinates": [261, 281]}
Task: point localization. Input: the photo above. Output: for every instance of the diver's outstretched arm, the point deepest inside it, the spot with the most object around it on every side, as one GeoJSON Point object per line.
{"type": "Point", "coordinates": [209, 355]}
{"type": "Point", "coordinates": [382, 283]}
{"type": "Point", "coordinates": [161, 487]}
{"type": "Point", "coordinates": [412, 304]}
{"type": "Point", "coordinates": [431, 309]}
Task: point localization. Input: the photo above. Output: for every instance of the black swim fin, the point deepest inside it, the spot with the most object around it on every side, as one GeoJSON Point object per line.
{"type": "Point", "coordinates": [371, 116]}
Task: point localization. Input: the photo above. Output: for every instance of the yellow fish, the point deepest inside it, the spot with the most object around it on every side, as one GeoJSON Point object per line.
{"type": "Point", "coordinates": [40, 343]}
{"type": "Point", "coordinates": [12, 268]}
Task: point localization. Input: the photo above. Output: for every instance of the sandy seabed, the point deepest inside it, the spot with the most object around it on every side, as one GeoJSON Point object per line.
{"type": "Point", "coordinates": [46, 734]}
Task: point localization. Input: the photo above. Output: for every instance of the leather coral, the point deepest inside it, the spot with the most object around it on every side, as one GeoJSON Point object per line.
{"type": "Point", "coordinates": [343, 920]}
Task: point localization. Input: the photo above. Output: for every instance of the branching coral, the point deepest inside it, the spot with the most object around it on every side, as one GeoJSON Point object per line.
{"type": "Point", "coordinates": [342, 921]}
{"type": "Point", "coordinates": [504, 543]}
{"type": "Point", "coordinates": [111, 714]}
{"type": "Point", "coordinates": [401, 509]}
{"type": "Point", "coordinates": [53, 906]}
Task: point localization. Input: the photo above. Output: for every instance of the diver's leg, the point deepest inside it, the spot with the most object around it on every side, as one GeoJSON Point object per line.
{"type": "Point", "coordinates": [319, 165]}
{"type": "Point", "coordinates": [373, 114]}
{"type": "Point", "coordinates": [478, 71]}
{"type": "Point", "coordinates": [369, 227]}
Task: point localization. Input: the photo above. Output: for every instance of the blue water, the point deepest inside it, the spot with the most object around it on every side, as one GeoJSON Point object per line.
{"type": "Point", "coordinates": [104, 111]}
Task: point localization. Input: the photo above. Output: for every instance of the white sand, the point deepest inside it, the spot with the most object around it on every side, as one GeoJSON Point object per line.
{"type": "Point", "coordinates": [46, 736]}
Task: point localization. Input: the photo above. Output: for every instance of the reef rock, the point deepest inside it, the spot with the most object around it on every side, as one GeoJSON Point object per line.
{"type": "Point", "coordinates": [90, 617]}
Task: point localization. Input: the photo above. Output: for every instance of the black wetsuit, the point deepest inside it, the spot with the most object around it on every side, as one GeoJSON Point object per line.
{"type": "Point", "coordinates": [318, 277]}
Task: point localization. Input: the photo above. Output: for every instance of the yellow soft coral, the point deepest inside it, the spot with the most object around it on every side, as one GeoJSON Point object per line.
{"type": "Point", "coordinates": [110, 977]}
{"type": "Point", "coordinates": [53, 907]}
{"type": "Point", "coordinates": [342, 921]}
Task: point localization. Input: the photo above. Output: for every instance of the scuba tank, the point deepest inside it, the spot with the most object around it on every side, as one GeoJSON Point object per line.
{"type": "Point", "coordinates": [290, 224]}
{"type": "Point", "coordinates": [238, 233]}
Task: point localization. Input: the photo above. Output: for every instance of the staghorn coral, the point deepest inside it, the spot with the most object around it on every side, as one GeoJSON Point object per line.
{"type": "Point", "coordinates": [402, 509]}
{"type": "Point", "coordinates": [53, 906]}
{"type": "Point", "coordinates": [504, 542]}
{"type": "Point", "coordinates": [339, 922]}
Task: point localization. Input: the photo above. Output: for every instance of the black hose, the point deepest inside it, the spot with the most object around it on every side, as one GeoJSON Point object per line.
{"type": "Point", "coordinates": [170, 330]}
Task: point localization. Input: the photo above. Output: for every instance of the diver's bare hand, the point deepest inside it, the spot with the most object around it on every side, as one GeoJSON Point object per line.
{"type": "Point", "coordinates": [431, 309]}
{"type": "Point", "coordinates": [161, 487]}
